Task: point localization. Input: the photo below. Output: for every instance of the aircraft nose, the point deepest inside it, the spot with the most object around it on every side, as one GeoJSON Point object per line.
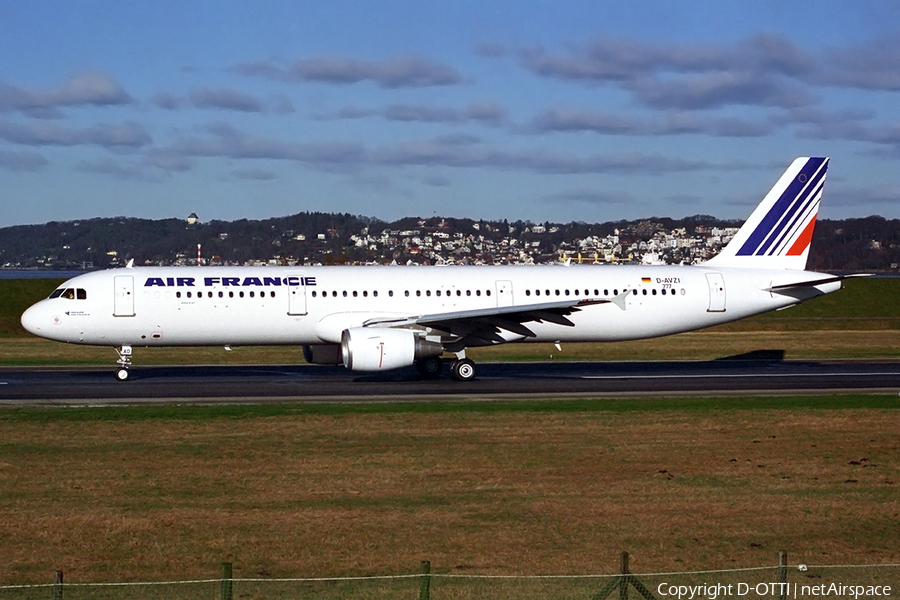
{"type": "Point", "coordinates": [35, 321]}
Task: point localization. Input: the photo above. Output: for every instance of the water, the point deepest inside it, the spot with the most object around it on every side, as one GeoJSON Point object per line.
{"type": "Point", "coordinates": [38, 274]}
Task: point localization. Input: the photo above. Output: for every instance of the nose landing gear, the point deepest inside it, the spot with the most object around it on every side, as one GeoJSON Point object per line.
{"type": "Point", "coordinates": [122, 373]}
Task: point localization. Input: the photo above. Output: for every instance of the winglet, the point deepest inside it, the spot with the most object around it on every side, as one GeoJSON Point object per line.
{"type": "Point", "coordinates": [778, 233]}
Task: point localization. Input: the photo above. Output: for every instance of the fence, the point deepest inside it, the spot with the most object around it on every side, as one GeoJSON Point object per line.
{"type": "Point", "coordinates": [776, 582]}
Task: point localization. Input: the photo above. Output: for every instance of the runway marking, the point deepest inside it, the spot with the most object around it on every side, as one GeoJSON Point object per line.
{"type": "Point", "coordinates": [737, 375]}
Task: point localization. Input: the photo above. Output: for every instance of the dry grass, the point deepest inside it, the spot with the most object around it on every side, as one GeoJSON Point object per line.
{"type": "Point", "coordinates": [476, 493]}
{"type": "Point", "coordinates": [713, 344]}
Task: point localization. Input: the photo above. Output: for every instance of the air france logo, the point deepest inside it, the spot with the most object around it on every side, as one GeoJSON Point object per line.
{"type": "Point", "coordinates": [229, 281]}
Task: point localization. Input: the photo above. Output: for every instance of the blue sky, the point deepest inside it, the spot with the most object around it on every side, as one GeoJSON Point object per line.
{"type": "Point", "coordinates": [560, 111]}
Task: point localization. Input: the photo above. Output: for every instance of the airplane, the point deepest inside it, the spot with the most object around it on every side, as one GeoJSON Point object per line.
{"type": "Point", "coordinates": [377, 318]}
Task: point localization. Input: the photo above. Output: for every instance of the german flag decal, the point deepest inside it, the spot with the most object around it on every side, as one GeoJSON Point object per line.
{"type": "Point", "coordinates": [645, 280]}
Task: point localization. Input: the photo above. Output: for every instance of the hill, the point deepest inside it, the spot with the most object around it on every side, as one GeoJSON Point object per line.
{"type": "Point", "coordinates": [868, 244]}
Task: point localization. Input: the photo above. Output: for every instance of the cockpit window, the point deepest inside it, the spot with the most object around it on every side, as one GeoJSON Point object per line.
{"type": "Point", "coordinates": [70, 293]}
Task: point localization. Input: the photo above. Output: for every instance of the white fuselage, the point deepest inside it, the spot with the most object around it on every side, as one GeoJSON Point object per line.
{"type": "Point", "coordinates": [192, 306]}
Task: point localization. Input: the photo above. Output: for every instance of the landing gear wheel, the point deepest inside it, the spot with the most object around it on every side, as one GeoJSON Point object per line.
{"type": "Point", "coordinates": [124, 361]}
{"type": "Point", "coordinates": [463, 370]}
{"type": "Point", "coordinates": [430, 368]}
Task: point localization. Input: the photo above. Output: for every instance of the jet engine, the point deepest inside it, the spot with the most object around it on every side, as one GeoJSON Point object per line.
{"type": "Point", "coordinates": [381, 349]}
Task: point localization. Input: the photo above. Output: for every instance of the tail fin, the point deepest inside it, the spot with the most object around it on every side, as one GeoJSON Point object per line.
{"type": "Point", "coordinates": [778, 233]}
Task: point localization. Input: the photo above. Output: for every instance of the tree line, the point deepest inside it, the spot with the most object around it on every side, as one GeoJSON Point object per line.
{"type": "Point", "coordinates": [863, 244]}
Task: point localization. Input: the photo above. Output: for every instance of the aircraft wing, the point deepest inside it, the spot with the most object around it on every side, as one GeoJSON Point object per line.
{"type": "Point", "coordinates": [485, 324]}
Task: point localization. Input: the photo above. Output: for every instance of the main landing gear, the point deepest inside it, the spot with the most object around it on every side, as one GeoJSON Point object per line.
{"type": "Point", "coordinates": [461, 369]}
{"type": "Point", "coordinates": [430, 368]}
{"type": "Point", "coordinates": [122, 373]}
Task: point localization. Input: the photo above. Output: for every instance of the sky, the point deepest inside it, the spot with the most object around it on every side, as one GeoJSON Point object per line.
{"type": "Point", "coordinates": [543, 111]}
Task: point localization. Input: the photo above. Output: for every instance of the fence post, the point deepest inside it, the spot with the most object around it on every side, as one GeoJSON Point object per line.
{"type": "Point", "coordinates": [425, 585]}
{"type": "Point", "coordinates": [622, 581]}
{"type": "Point", "coordinates": [623, 589]}
{"type": "Point", "coordinates": [58, 585]}
{"type": "Point", "coordinates": [782, 575]}
{"type": "Point", "coordinates": [227, 584]}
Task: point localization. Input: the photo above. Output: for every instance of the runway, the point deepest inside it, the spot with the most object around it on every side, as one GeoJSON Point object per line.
{"type": "Point", "coordinates": [503, 381]}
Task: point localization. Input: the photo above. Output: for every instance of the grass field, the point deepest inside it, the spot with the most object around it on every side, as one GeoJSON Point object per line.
{"type": "Point", "coordinates": [155, 493]}
{"type": "Point", "coordinates": [159, 493]}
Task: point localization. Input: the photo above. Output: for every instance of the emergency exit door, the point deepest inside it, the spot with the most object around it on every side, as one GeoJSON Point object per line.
{"type": "Point", "coordinates": [504, 293]}
{"type": "Point", "coordinates": [296, 294]}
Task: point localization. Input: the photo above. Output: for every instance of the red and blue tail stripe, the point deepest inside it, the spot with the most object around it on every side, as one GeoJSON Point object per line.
{"type": "Point", "coordinates": [779, 232]}
{"type": "Point", "coordinates": [792, 217]}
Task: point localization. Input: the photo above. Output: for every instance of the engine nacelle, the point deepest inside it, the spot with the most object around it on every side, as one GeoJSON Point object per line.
{"type": "Point", "coordinates": [322, 354]}
{"type": "Point", "coordinates": [381, 349]}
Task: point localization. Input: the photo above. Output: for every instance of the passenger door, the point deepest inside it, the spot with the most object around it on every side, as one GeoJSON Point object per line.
{"type": "Point", "coordinates": [123, 304]}
{"type": "Point", "coordinates": [716, 292]}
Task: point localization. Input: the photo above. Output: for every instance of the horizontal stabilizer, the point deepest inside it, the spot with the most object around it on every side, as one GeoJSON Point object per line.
{"type": "Point", "coordinates": [812, 282]}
